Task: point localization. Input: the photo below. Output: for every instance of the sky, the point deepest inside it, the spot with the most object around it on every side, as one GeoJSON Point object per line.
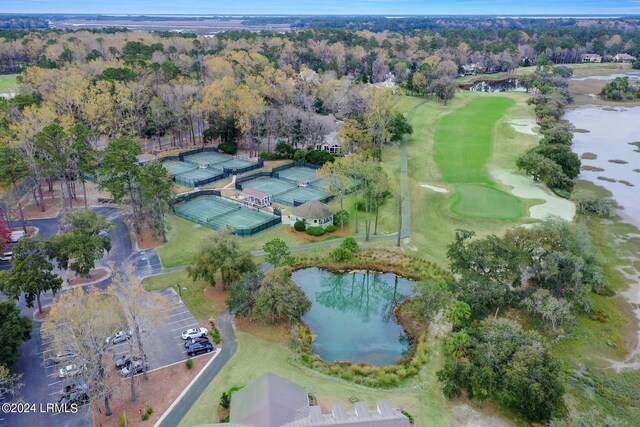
{"type": "Point", "coordinates": [324, 7]}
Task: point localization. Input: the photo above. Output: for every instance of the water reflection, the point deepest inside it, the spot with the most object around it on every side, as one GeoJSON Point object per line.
{"type": "Point", "coordinates": [353, 314]}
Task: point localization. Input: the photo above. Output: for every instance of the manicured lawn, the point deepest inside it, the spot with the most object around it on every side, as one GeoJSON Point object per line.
{"type": "Point", "coordinates": [202, 300]}
{"type": "Point", "coordinates": [433, 221]}
{"type": "Point", "coordinates": [8, 83]}
{"type": "Point", "coordinates": [255, 356]}
{"type": "Point", "coordinates": [185, 239]}
{"type": "Point", "coordinates": [463, 147]}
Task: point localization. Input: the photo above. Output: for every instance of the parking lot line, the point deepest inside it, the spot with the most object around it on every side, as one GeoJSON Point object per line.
{"type": "Point", "coordinates": [178, 314]}
{"type": "Point", "coordinates": [190, 319]}
{"type": "Point", "coordinates": [57, 382]}
{"type": "Point", "coordinates": [182, 328]}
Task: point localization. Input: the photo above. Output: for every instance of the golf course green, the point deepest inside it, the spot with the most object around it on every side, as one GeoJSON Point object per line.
{"type": "Point", "coordinates": [462, 149]}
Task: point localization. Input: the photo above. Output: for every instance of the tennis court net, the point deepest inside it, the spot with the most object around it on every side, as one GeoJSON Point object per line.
{"type": "Point", "coordinates": [227, 212]}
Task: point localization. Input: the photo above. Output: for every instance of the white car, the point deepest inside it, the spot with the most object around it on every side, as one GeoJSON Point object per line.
{"type": "Point", "coordinates": [195, 333]}
{"type": "Point", "coordinates": [6, 256]}
{"type": "Point", "coordinates": [70, 371]}
{"type": "Point", "coordinates": [118, 337]}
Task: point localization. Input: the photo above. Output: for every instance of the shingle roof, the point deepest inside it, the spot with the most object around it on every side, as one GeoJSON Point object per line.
{"type": "Point", "coordinates": [255, 193]}
{"type": "Point", "coordinates": [313, 210]}
{"type": "Point", "coordinates": [269, 401]}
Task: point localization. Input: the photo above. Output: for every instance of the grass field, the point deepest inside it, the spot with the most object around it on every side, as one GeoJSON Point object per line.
{"type": "Point", "coordinates": [433, 222]}
{"type": "Point", "coordinates": [462, 149]}
{"type": "Point", "coordinates": [255, 356]}
{"type": "Point", "coordinates": [8, 83]}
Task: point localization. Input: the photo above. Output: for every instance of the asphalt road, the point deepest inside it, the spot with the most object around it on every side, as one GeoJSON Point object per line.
{"type": "Point", "coordinates": [229, 348]}
{"type": "Point", "coordinates": [41, 383]}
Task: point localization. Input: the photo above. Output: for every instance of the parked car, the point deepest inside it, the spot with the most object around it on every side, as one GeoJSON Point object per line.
{"type": "Point", "coordinates": [123, 361]}
{"type": "Point", "coordinates": [194, 349]}
{"type": "Point", "coordinates": [194, 333]}
{"type": "Point", "coordinates": [70, 371]}
{"type": "Point", "coordinates": [74, 388]}
{"type": "Point", "coordinates": [78, 398]}
{"type": "Point", "coordinates": [6, 256]}
{"type": "Point", "coordinates": [133, 368]}
{"type": "Point", "coordinates": [16, 235]}
{"type": "Point", "coordinates": [192, 341]}
{"type": "Point", "coordinates": [118, 337]}
{"type": "Point", "coordinates": [63, 356]}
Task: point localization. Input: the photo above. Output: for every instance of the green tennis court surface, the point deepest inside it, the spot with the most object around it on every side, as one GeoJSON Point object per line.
{"type": "Point", "coordinates": [296, 174]}
{"type": "Point", "coordinates": [176, 168]}
{"type": "Point", "coordinates": [285, 191]}
{"type": "Point", "coordinates": [215, 212]}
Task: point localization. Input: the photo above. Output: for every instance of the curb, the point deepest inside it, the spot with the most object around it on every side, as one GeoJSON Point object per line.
{"type": "Point", "coordinates": [177, 399]}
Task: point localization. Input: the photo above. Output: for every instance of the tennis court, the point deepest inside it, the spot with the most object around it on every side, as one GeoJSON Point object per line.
{"type": "Point", "coordinates": [300, 194]}
{"type": "Point", "coordinates": [176, 168]}
{"type": "Point", "coordinates": [296, 174]}
{"type": "Point", "coordinates": [210, 157]}
{"type": "Point", "coordinates": [217, 213]}
{"type": "Point", "coordinates": [285, 191]}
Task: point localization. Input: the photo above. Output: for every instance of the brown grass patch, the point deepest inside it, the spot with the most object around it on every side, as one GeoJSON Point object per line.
{"type": "Point", "coordinates": [620, 162]}
{"type": "Point", "coordinates": [278, 333]}
{"type": "Point", "coordinates": [604, 178]}
{"type": "Point", "coordinates": [592, 169]}
{"type": "Point", "coordinates": [589, 156]}
{"type": "Point", "coordinates": [161, 389]}
{"type": "Point", "coordinates": [625, 182]}
{"type": "Point", "coordinates": [147, 241]}
{"type": "Point", "coordinates": [217, 297]}
{"type": "Point", "coordinates": [41, 317]}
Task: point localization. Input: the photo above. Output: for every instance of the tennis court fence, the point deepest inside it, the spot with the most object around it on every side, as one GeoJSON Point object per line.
{"type": "Point", "coordinates": [296, 165]}
{"type": "Point", "coordinates": [194, 195]}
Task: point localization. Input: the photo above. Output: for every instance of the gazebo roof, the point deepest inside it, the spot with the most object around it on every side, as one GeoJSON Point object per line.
{"type": "Point", "coordinates": [313, 210]}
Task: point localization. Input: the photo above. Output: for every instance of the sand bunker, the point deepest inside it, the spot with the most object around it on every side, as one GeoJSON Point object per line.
{"type": "Point", "coordinates": [434, 188]}
{"type": "Point", "coordinates": [524, 126]}
{"type": "Point", "coordinates": [525, 188]}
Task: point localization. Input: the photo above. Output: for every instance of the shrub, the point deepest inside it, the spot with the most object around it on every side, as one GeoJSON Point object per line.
{"type": "Point", "coordinates": [189, 363]}
{"type": "Point", "coordinates": [318, 157]}
{"type": "Point", "coordinates": [330, 229]}
{"type": "Point", "coordinates": [225, 400]}
{"type": "Point", "coordinates": [341, 254]}
{"type": "Point", "coordinates": [341, 217]}
{"type": "Point", "coordinates": [265, 155]}
{"type": "Point", "coordinates": [350, 244]}
{"type": "Point", "coordinates": [149, 410]}
{"type": "Point", "coordinates": [315, 231]}
{"type": "Point", "coordinates": [298, 155]}
{"type": "Point", "coordinates": [145, 416]}
{"type": "Point", "coordinates": [598, 207]}
{"type": "Point", "coordinates": [408, 415]}
{"type": "Point", "coordinates": [215, 333]}
{"type": "Point", "coordinates": [228, 148]}
{"type": "Point", "coordinates": [299, 226]}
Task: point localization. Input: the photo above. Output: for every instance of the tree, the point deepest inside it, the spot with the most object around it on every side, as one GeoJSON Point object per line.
{"type": "Point", "coordinates": [10, 383]}
{"type": "Point", "coordinates": [501, 361]}
{"type": "Point", "coordinates": [242, 295]}
{"type": "Point", "coordinates": [444, 89]}
{"type": "Point", "coordinates": [222, 254]}
{"type": "Point", "coordinates": [83, 242]}
{"type": "Point", "coordinates": [279, 298]}
{"type": "Point", "coordinates": [557, 311]}
{"type": "Point", "coordinates": [142, 310]}
{"type": "Point", "coordinates": [31, 273]}
{"type": "Point", "coordinates": [563, 156]}
{"type": "Point", "coordinates": [79, 323]}
{"type": "Point", "coordinates": [277, 253]}
{"type": "Point", "coordinates": [459, 314]}
{"type": "Point", "coordinates": [54, 145]}
{"type": "Point", "coordinates": [13, 168]}
{"type": "Point", "coordinates": [118, 174]}
{"type": "Point", "coordinates": [14, 330]}
{"type": "Point", "coordinates": [85, 156]}
{"type": "Point", "coordinates": [156, 187]}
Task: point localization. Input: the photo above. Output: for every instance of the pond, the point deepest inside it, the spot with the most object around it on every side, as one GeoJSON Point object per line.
{"type": "Point", "coordinates": [352, 315]}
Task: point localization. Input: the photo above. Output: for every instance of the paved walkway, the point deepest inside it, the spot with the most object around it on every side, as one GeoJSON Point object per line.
{"type": "Point", "coordinates": [229, 347]}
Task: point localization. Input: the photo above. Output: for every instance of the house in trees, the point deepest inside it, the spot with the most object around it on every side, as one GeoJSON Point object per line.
{"type": "Point", "coordinates": [257, 198]}
{"type": "Point", "coordinates": [590, 58]}
{"type": "Point", "coordinates": [624, 57]}
{"type": "Point", "coordinates": [272, 401]}
{"type": "Point", "coordinates": [314, 214]}
{"type": "Point", "coordinates": [330, 143]}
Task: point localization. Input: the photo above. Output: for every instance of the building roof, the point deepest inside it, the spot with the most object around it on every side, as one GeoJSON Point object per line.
{"type": "Point", "coordinates": [313, 210]}
{"type": "Point", "coordinates": [269, 401]}
{"type": "Point", "coordinates": [255, 193]}
{"type": "Point", "coordinates": [382, 416]}
{"type": "Point", "coordinates": [145, 158]}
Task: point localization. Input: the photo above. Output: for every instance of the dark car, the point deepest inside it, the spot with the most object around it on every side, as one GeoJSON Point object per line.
{"type": "Point", "coordinates": [74, 388]}
{"type": "Point", "coordinates": [79, 398]}
{"type": "Point", "coordinates": [134, 368]}
{"type": "Point", "coordinates": [123, 361]}
{"type": "Point", "coordinates": [200, 340]}
{"type": "Point", "coordinates": [196, 348]}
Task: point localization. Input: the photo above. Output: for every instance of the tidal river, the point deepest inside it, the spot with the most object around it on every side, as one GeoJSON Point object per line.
{"type": "Point", "coordinates": [612, 134]}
